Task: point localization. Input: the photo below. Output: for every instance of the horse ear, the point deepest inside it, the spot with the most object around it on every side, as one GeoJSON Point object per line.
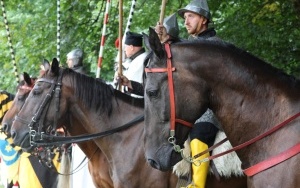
{"type": "Point", "coordinates": [155, 43]}
{"type": "Point", "coordinates": [27, 78]}
{"type": "Point", "coordinates": [45, 65]}
{"type": "Point", "coordinates": [146, 41]}
{"type": "Point", "coordinates": [55, 66]}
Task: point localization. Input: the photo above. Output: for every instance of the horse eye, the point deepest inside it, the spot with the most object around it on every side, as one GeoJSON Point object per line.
{"type": "Point", "coordinates": [36, 91]}
{"type": "Point", "coordinates": [152, 93]}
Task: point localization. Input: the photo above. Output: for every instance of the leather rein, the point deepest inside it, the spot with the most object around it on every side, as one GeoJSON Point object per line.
{"type": "Point", "coordinates": [268, 163]}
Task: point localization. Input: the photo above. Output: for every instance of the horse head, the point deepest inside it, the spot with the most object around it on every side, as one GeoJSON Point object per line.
{"type": "Point", "coordinates": [158, 107]}
{"type": "Point", "coordinates": [40, 106]}
{"type": "Point", "coordinates": [23, 89]}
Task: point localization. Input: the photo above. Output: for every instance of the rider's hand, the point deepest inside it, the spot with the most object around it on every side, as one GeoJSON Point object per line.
{"type": "Point", "coordinates": [162, 32]}
{"type": "Point", "coordinates": [123, 80]}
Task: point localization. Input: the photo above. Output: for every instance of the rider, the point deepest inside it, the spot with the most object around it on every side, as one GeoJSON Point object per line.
{"type": "Point", "coordinates": [196, 17]}
{"type": "Point", "coordinates": [135, 87]}
{"type": "Point", "coordinates": [134, 63]}
{"type": "Point", "coordinates": [75, 60]}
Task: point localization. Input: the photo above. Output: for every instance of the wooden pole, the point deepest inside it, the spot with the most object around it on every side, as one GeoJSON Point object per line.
{"type": "Point", "coordinates": [120, 69]}
{"type": "Point", "coordinates": [162, 14]}
{"type": "Point", "coordinates": [162, 11]}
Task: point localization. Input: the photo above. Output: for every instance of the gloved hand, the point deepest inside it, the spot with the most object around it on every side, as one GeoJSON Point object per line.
{"type": "Point", "coordinates": [162, 32]}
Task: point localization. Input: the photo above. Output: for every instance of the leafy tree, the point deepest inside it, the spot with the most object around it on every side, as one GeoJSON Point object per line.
{"type": "Point", "coordinates": [268, 29]}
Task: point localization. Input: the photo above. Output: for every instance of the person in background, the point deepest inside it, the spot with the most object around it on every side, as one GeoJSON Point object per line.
{"type": "Point", "coordinates": [81, 177]}
{"type": "Point", "coordinates": [133, 67]}
{"type": "Point", "coordinates": [136, 87]}
{"type": "Point", "coordinates": [75, 60]}
{"type": "Point", "coordinates": [197, 17]}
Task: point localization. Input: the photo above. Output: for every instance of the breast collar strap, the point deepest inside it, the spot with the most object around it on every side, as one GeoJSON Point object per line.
{"type": "Point", "coordinates": [169, 70]}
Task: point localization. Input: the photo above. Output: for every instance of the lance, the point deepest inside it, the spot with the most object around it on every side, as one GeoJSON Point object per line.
{"type": "Point", "coordinates": [12, 53]}
{"type": "Point", "coordinates": [58, 31]}
{"type": "Point", "coordinates": [129, 20]}
{"type": "Point", "coordinates": [105, 21]}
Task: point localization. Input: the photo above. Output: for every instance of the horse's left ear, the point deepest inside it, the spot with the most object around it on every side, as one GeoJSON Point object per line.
{"type": "Point", "coordinates": [146, 41]}
{"type": "Point", "coordinates": [155, 43]}
{"type": "Point", "coordinates": [55, 66]}
{"type": "Point", "coordinates": [27, 78]}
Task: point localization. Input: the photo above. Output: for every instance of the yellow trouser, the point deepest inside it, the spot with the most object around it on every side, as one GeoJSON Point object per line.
{"type": "Point", "coordinates": [199, 172]}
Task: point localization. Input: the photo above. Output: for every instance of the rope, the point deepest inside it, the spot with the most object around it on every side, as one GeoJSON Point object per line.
{"type": "Point", "coordinates": [58, 32]}
{"type": "Point", "coordinates": [12, 53]}
{"type": "Point", "coordinates": [105, 21]}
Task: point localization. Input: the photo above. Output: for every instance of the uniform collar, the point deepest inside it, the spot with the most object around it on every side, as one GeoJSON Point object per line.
{"type": "Point", "coordinates": [137, 54]}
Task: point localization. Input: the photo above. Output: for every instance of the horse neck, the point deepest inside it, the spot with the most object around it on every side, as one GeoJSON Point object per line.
{"type": "Point", "coordinates": [247, 99]}
{"type": "Point", "coordinates": [88, 120]}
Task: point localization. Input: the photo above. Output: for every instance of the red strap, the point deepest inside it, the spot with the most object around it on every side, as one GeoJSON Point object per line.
{"type": "Point", "coordinates": [171, 87]}
{"type": "Point", "coordinates": [188, 124]}
{"type": "Point", "coordinates": [273, 161]}
{"type": "Point", "coordinates": [253, 140]}
{"type": "Point", "coordinates": [157, 70]}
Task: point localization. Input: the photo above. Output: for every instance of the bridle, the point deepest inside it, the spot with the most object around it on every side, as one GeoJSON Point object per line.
{"type": "Point", "coordinates": [268, 163]}
{"type": "Point", "coordinates": [51, 138]}
{"type": "Point", "coordinates": [173, 120]}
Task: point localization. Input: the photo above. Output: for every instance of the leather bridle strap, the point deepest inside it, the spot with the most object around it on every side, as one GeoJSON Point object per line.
{"type": "Point", "coordinates": [170, 71]}
{"type": "Point", "coordinates": [283, 156]}
{"type": "Point", "coordinates": [50, 140]}
{"type": "Point", "coordinates": [268, 162]}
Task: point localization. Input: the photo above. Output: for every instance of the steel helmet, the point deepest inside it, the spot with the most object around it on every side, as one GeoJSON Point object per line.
{"type": "Point", "coordinates": [199, 7]}
{"type": "Point", "coordinates": [77, 56]}
{"type": "Point", "coordinates": [171, 25]}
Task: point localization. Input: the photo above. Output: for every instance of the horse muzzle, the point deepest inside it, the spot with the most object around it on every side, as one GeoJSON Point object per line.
{"type": "Point", "coordinates": [22, 141]}
{"type": "Point", "coordinates": [164, 158]}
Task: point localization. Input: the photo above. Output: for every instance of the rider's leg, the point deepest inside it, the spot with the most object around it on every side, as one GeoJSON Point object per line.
{"type": "Point", "coordinates": [202, 136]}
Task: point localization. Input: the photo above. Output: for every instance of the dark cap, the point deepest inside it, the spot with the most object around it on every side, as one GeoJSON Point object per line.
{"type": "Point", "coordinates": [134, 39]}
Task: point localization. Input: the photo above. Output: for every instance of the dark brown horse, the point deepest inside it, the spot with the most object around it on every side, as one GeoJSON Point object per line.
{"type": "Point", "coordinates": [98, 165]}
{"type": "Point", "coordinates": [28, 169]}
{"type": "Point", "coordinates": [247, 95]}
{"type": "Point", "coordinates": [89, 105]}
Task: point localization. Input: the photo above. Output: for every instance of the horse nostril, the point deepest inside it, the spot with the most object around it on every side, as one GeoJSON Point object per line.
{"type": "Point", "coordinates": [153, 163]}
{"type": "Point", "coordinates": [5, 127]}
{"type": "Point", "coordinates": [13, 134]}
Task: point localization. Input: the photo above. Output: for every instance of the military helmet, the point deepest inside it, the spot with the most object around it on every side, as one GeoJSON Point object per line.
{"type": "Point", "coordinates": [171, 25]}
{"type": "Point", "coordinates": [199, 7]}
{"type": "Point", "coordinates": [76, 56]}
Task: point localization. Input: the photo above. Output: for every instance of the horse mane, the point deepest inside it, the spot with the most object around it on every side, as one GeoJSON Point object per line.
{"type": "Point", "coordinates": [96, 93]}
{"type": "Point", "coordinates": [93, 92]}
{"type": "Point", "coordinates": [138, 102]}
{"type": "Point", "coordinates": [248, 59]}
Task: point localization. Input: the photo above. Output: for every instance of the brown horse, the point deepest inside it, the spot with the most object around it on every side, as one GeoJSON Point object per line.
{"type": "Point", "coordinates": [98, 165]}
{"type": "Point", "coordinates": [247, 95]}
{"type": "Point", "coordinates": [89, 105]}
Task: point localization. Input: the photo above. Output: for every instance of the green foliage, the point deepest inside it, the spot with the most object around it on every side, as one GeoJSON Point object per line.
{"type": "Point", "coordinates": [268, 29]}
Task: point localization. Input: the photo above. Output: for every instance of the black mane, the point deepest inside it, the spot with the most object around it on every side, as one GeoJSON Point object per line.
{"type": "Point", "coordinates": [95, 92]}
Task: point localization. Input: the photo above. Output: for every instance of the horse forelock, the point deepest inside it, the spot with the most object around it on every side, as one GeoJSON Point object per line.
{"type": "Point", "coordinates": [94, 93]}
